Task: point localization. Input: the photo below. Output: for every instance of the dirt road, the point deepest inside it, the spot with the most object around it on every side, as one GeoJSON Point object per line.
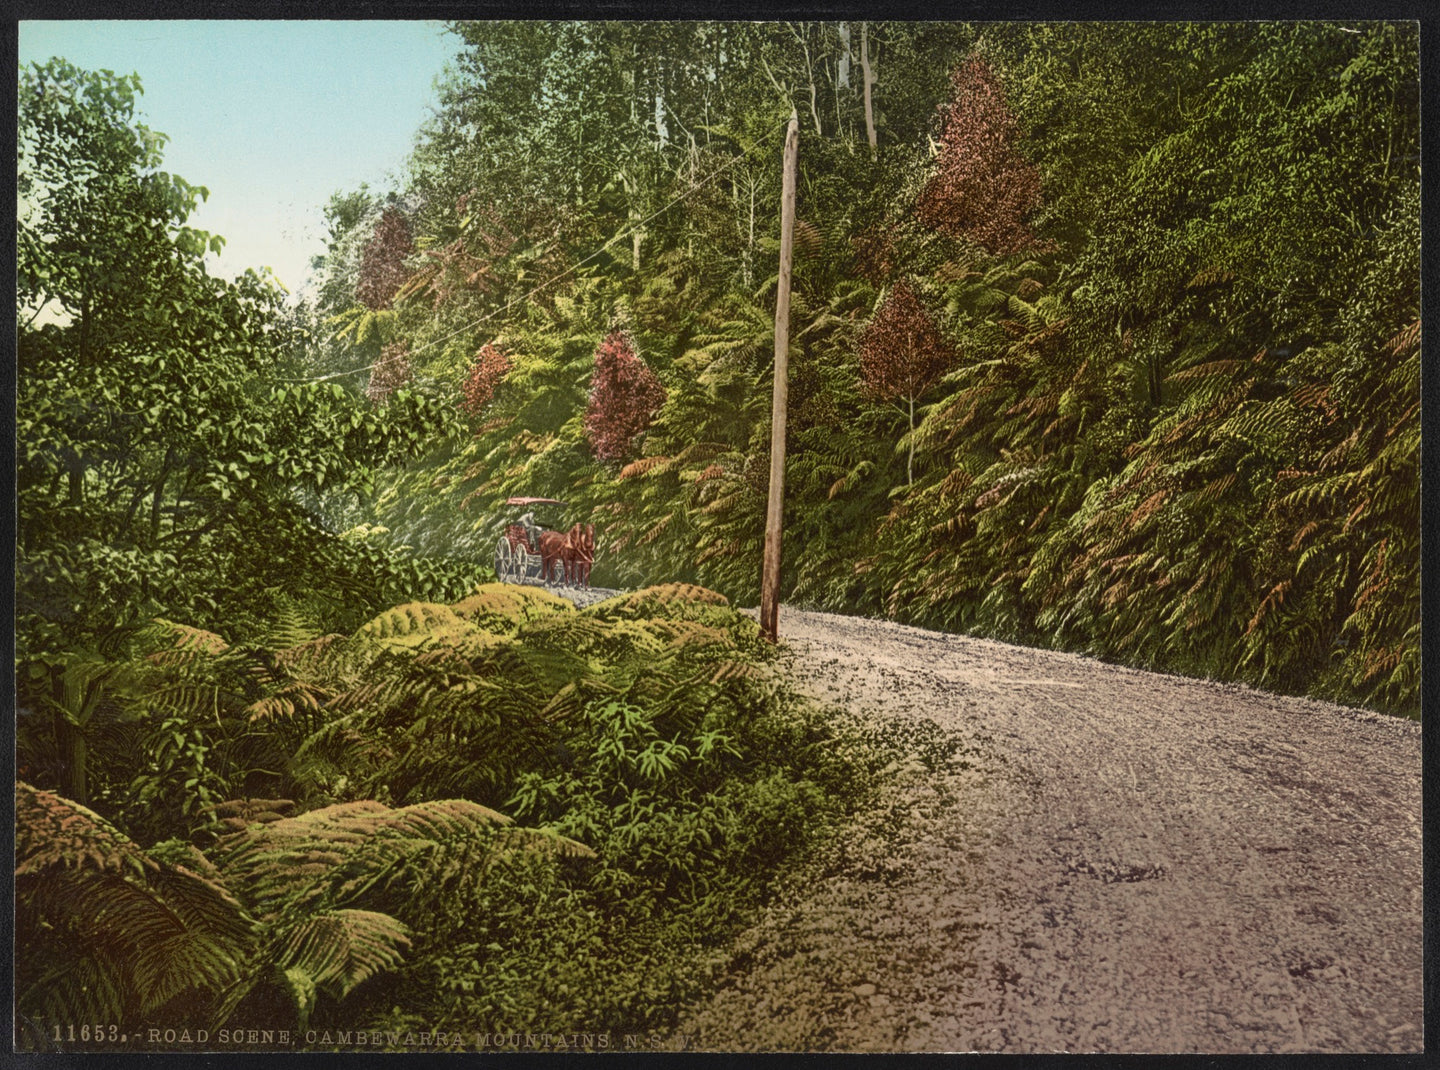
{"type": "Point", "coordinates": [1112, 860]}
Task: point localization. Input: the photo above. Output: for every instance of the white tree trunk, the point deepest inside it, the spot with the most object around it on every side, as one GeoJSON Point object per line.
{"type": "Point", "coordinates": [910, 461]}
{"type": "Point", "coordinates": [867, 77]}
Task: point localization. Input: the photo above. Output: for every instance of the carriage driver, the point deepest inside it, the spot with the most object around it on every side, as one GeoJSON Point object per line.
{"type": "Point", "coordinates": [532, 530]}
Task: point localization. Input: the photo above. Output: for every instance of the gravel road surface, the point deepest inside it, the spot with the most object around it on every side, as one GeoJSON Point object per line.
{"type": "Point", "coordinates": [581, 596]}
{"type": "Point", "coordinates": [1112, 861]}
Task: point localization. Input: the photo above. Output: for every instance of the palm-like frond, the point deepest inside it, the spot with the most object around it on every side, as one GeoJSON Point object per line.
{"type": "Point", "coordinates": [134, 932]}
{"type": "Point", "coordinates": [365, 852]}
{"type": "Point", "coordinates": [338, 949]}
{"type": "Point", "coordinates": [361, 324]}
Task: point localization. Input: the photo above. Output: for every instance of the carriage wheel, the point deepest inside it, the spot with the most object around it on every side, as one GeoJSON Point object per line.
{"type": "Point", "coordinates": [504, 560]}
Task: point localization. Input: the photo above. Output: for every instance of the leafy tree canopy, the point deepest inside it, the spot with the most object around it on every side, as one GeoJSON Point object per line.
{"type": "Point", "coordinates": [160, 461]}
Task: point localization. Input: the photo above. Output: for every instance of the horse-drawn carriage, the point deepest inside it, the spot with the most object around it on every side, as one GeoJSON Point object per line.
{"type": "Point", "coordinates": [529, 551]}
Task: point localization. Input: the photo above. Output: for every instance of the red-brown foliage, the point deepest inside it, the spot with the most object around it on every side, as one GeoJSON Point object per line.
{"type": "Point", "coordinates": [382, 263]}
{"type": "Point", "coordinates": [624, 394]}
{"type": "Point", "coordinates": [490, 367]}
{"type": "Point", "coordinates": [468, 264]}
{"type": "Point", "coordinates": [902, 352]}
{"type": "Point", "coordinates": [982, 188]}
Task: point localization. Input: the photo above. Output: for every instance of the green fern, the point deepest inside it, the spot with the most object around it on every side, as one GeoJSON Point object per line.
{"type": "Point", "coordinates": [336, 950]}
{"type": "Point", "coordinates": [107, 931]}
{"type": "Point", "coordinates": [365, 852]}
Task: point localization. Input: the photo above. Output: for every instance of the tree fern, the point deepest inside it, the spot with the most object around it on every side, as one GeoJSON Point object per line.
{"type": "Point", "coordinates": [366, 853]}
{"type": "Point", "coordinates": [106, 930]}
{"type": "Point", "coordinates": [336, 950]}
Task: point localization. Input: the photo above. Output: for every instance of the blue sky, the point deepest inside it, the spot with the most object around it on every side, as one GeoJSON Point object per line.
{"type": "Point", "coordinates": [272, 117]}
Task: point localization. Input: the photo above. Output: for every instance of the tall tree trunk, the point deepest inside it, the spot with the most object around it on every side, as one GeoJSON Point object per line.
{"type": "Point", "coordinates": [910, 461]}
{"type": "Point", "coordinates": [637, 232]}
{"type": "Point", "coordinates": [814, 95]}
{"type": "Point", "coordinates": [70, 747]}
{"type": "Point", "coordinates": [867, 77]}
{"type": "Point", "coordinates": [800, 35]}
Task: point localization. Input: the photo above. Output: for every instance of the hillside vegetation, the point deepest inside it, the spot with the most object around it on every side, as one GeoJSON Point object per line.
{"type": "Point", "coordinates": [1104, 337]}
{"type": "Point", "coordinates": [1109, 341]}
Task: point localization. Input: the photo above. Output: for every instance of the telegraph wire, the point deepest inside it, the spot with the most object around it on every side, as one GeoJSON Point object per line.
{"type": "Point", "coordinates": [548, 282]}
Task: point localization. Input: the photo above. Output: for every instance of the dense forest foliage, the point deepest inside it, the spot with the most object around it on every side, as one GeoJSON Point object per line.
{"type": "Point", "coordinates": [1104, 337]}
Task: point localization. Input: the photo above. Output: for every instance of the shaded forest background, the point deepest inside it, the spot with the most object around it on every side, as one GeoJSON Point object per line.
{"type": "Point", "coordinates": [1104, 337]}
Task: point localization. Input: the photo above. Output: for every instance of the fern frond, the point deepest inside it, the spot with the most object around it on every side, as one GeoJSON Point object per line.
{"type": "Point", "coordinates": [53, 833]}
{"type": "Point", "coordinates": [339, 949]}
{"type": "Point", "coordinates": [179, 645]}
{"type": "Point", "coordinates": [296, 700]}
{"type": "Point", "coordinates": [325, 659]}
{"type": "Point", "coordinates": [139, 928]}
{"type": "Point", "coordinates": [351, 849]}
{"type": "Point", "coordinates": [290, 628]}
{"type": "Point", "coordinates": [503, 607]}
{"type": "Point", "coordinates": [675, 600]}
{"type": "Point", "coordinates": [643, 466]}
{"type": "Point", "coordinates": [238, 813]}
{"type": "Point", "coordinates": [413, 618]}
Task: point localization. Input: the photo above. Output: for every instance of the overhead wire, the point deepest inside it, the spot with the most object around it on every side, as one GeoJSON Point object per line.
{"type": "Point", "coordinates": [548, 282]}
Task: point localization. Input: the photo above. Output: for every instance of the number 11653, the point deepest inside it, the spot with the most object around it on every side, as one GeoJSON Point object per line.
{"type": "Point", "coordinates": [86, 1033]}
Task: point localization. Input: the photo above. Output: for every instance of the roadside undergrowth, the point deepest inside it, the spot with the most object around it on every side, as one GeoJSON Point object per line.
{"type": "Point", "coordinates": [503, 815]}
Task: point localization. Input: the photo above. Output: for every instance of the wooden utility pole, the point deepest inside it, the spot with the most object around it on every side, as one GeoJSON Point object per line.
{"type": "Point", "coordinates": [775, 510]}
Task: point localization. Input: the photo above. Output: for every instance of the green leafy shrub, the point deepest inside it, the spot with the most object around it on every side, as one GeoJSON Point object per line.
{"type": "Point", "coordinates": [350, 793]}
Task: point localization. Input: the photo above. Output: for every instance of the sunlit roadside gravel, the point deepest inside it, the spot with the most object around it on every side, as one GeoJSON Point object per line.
{"type": "Point", "coordinates": [1112, 860]}
{"type": "Point", "coordinates": [581, 596]}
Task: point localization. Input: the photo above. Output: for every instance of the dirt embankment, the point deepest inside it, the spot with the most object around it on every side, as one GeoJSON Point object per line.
{"type": "Point", "coordinates": [1112, 860]}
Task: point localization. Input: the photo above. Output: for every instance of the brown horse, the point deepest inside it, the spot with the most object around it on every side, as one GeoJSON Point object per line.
{"type": "Point", "coordinates": [553, 550]}
{"type": "Point", "coordinates": [579, 554]}
{"type": "Point", "coordinates": [567, 557]}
